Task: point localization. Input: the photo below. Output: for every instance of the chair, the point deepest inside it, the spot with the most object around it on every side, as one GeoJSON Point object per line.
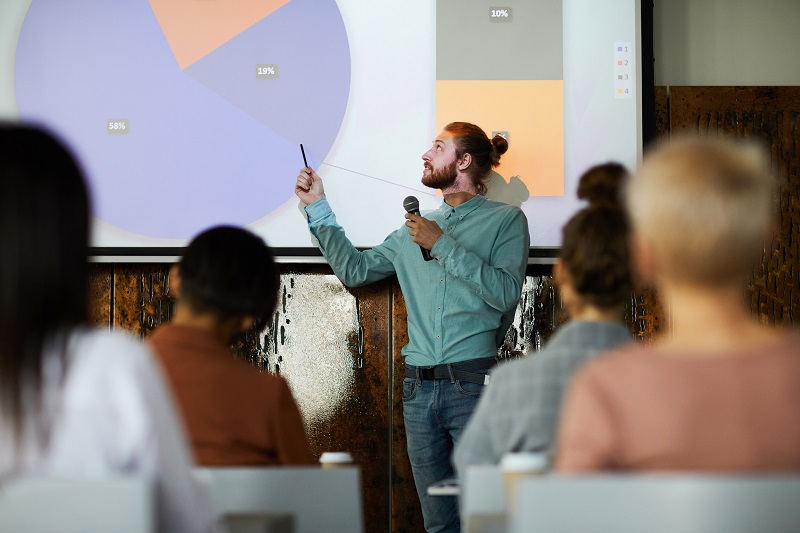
{"type": "Point", "coordinates": [658, 504]}
{"type": "Point", "coordinates": [124, 505]}
{"type": "Point", "coordinates": [483, 499]}
{"type": "Point", "coordinates": [318, 499]}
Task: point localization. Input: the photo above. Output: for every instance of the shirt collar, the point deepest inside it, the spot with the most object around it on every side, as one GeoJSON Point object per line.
{"type": "Point", "coordinates": [464, 209]}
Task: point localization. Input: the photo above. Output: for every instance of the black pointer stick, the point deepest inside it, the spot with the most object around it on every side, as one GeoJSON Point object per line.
{"type": "Point", "coordinates": [304, 154]}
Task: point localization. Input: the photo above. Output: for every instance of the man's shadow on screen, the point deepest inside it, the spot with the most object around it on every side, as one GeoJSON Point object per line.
{"type": "Point", "coordinates": [513, 192]}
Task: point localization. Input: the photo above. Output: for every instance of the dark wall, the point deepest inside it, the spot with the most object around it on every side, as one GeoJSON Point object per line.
{"type": "Point", "coordinates": [340, 349]}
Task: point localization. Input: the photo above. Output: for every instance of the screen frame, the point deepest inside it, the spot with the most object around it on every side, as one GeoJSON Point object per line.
{"type": "Point", "coordinates": [536, 255]}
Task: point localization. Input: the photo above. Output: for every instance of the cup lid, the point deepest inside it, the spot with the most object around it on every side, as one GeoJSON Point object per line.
{"type": "Point", "coordinates": [524, 461]}
{"type": "Point", "coordinates": [336, 457]}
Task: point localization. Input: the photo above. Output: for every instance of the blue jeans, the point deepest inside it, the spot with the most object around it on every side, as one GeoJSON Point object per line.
{"type": "Point", "coordinates": [435, 412]}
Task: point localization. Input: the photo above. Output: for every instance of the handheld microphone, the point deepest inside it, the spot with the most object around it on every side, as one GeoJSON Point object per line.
{"type": "Point", "coordinates": [411, 205]}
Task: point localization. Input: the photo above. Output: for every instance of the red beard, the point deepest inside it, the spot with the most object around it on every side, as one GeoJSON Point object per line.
{"type": "Point", "coordinates": [441, 178]}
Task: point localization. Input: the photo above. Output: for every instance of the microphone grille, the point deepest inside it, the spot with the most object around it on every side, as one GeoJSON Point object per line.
{"type": "Point", "coordinates": [411, 204]}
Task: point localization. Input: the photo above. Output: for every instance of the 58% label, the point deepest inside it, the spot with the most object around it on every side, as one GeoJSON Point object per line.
{"type": "Point", "coordinates": [117, 126]}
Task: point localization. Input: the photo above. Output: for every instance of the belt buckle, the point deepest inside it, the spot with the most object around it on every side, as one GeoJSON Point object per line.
{"type": "Point", "coordinates": [427, 373]}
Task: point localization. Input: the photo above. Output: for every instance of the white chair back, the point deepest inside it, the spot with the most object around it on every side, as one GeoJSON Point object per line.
{"type": "Point", "coordinates": [32, 505]}
{"type": "Point", "coordinates": [483, 498]}
{"type": "Point", "coordinates": [658, 504]}
{"type": "Point", "coordinates": [318, 499]}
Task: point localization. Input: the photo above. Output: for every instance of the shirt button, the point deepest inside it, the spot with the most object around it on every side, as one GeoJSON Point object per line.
{"type": "Point", "coordinates": [438, 308]}
{"type": "Point", "coordinates": [441, 281]}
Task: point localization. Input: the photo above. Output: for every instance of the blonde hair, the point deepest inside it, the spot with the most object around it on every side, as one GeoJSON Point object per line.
{"type": "Point", "coordinates": [704, 206]}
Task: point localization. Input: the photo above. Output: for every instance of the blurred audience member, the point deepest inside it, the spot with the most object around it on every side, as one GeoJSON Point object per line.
{"type": "Point", "coordinates": [519, 409]}
{"type": "Point", "coordinates": [721, 391]}
{"type": "Point", "coordinates": [74, 402]}
{"type": "Point", "coordinates": [227, 283]}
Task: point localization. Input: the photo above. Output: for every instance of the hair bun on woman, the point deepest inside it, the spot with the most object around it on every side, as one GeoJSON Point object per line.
{"type": "Point", "coordinates": [601, 185]}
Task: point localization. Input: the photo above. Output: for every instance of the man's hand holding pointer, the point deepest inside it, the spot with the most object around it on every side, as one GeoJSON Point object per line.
{"type": "Point", "coordinates": [309, 186]}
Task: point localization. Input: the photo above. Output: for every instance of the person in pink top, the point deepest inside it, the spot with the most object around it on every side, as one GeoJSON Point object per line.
{"type": "Point", "coordinates": [720, 391]}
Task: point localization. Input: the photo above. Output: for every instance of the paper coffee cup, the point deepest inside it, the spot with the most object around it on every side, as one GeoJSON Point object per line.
{"type": "Point", "coordinates": [335, 459]}
{"type": "Point", "coordinates": [516, 466]}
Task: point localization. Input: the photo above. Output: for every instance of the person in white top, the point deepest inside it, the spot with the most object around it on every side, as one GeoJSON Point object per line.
{"type": "Point", "coordinates": [74, 402]}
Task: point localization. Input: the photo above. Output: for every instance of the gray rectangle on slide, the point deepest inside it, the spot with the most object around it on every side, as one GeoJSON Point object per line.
{"type": "Point", "coordinates": [469, 46]}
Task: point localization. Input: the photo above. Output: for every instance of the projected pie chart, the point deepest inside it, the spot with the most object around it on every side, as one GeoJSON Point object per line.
{"type": "Point", "coordinates": [186, 113]}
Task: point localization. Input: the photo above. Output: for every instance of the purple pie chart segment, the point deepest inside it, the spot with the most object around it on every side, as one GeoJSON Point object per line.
{"type": "Point", "coordinates": [169, 152]}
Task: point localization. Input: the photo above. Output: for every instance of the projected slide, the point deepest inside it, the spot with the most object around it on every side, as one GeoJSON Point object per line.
{"type": "Point", "coordinates": [190, 113]}
{"type": "Point", "coordinates": [186, 113]}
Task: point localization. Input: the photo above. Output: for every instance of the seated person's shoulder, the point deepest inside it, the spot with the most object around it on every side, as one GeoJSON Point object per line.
{"type": "Point", "coordinates": [632, 357]}
{"type": "Point", "coordinates": [248, 375]}
{"type": "Point", "coordinates": [514, 375]}
{"type": "Point", "coordinates": [115, 350]}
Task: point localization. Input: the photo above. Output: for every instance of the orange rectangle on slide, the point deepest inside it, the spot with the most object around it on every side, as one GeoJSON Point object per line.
{"type": "Point", "coordinates": [531, 111]}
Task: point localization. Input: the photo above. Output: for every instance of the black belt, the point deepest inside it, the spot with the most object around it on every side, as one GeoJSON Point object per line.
{"type": "Point", "coordinates": [467, 371]}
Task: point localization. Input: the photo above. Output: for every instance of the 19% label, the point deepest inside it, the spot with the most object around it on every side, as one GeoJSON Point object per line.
{"type": "Point", "coordinates": [267, 72]}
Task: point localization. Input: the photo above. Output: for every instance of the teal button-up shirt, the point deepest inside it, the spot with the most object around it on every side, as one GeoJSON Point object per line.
{"type": "Point", "coordinates": [460, 304]}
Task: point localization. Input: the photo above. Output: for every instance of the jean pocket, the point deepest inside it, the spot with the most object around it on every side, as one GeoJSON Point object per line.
{"type": "Point", "coordinates": [469, 389]}
{"type": "Point", "coordinates": [409, 389]}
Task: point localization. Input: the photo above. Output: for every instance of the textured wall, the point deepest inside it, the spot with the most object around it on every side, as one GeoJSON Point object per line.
{"type": "Point", "coordinates": [770, 115]}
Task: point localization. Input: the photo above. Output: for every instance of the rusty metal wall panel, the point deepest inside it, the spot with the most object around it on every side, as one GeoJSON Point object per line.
{"type": "Point", "coordinates": [406, 513]}
{"type": "Point", "coordinates": [662, 113]}
{"type": "Point", "coordinates": [332, 346]}
{"type": "Point", "coordinates": [538, 314]}
{"type": "Point", "coordinates": [141, 300]}
{"type": "Point", "coordinates": [100, 303]}
{"type": "Point", "coordinates": [644, 314]}
{"type": "Point", "coordinates": [771, 115]}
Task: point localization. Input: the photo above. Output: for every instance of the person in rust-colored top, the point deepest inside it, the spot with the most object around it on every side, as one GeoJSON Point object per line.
{"type": "Point", "coordinates": [235, 415]}
{"type": "Point", "coordinates": [720, 392]}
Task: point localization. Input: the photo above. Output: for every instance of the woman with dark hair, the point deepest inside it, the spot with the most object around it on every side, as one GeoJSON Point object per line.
{"type": "Point", "coordinates": [519, 410]}
{"type": "Point", "coordinates": [74, 402]}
